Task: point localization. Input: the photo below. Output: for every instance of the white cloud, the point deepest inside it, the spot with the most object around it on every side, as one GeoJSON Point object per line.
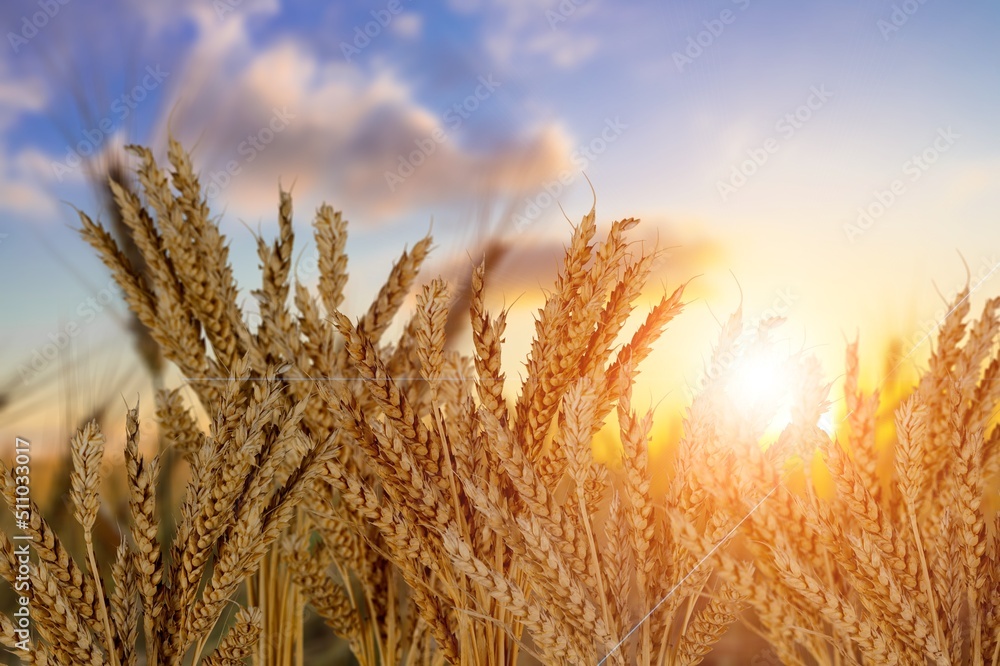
{"type": "Point", "coordinates": [562, 34]}
{"type": "Point", "coordinates": [21, 95]}
{"type": "Point", "coordinates": [23, 196]}
{"type": "Point", "coordinates": [20, 92]}
{"type": "Point", "coordinates": [159, 16]}
{"type": "Point", "coordinates": [348, 123]}
{"type": "Point", "coordinates": [409, 25]}
{"type": "Point", "coordinates": [22, 184]}
{"type": "Point", "coordinates": [20, 191]}
{"type": "Point", "coordinates": [347, 128]}
{"type": "Point", "coordinates": [563, 50]}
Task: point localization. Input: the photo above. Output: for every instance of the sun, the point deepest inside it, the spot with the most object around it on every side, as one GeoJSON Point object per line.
{"type": "Point", "coordinates": [760, 380]}
{"type": "Point", "coordinates": [761, 385]}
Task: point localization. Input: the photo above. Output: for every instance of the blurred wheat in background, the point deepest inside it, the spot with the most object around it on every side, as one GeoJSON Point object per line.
{"type": "Point", "coordinates": [431, 510]}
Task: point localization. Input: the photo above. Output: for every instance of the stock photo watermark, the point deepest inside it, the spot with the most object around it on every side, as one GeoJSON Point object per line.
{"type": "Point", "coordinates": [581, 158]}
{"type": "Point", "coordinates": [900, 16]}
{"type": "Point", "coordinates": [32, 24]}
{"type": "Point", "coordinates": [698, 43]}
{"type": "Point", "coordinates": [986, 270]}
{"type": "Point", "coordinates": [86, 312]}
{"type": "Point", "coordinates": [456, 115]}
{"type": "Point", "coordinates": [249, 149]}
{"type": "Point", "coordinates": [21, 555]}
{"type": "Point", "coordinates": [93, 138]}
{"type": "Point", "coordinates": [563, 12]}
{"type": "Point", "coordinates": [913, 169]}
{"type": "Point", "coordinates": [785, 128]}
{"type": "Point", "coordinates": [365, 34]}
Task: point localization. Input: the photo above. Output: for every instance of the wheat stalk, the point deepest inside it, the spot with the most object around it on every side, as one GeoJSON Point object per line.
{"type": "Point", "coordinates": [430, 512]}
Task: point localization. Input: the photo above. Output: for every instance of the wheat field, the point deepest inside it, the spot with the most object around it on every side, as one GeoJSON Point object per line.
{"type": "Point", "coordinates": [432, 510]}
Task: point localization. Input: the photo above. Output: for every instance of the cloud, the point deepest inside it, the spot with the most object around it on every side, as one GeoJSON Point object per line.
{"type": "Point", "coordinates": [257, 103]}
{"type": "Point", "coordinates": [409, 25]}
{"type": "Point", "coordinates": [159, 16]}
{"type": "Point", "coordinates": [520, 33]}
{"type": "Point", "coordinates": [22, 190]}
{"type": "Point", "coordinates": [17, 96]}
{"type": "Point", "coordinates": [23, 196]}
{"type": "Point", "coordinates": [562, 49]}
{"type": "Point", "coordinates": [347, 128]}
{"type": "Point", "coordinates": [21, 92]}
{"type": "Point", "coordinates": [521, 263]}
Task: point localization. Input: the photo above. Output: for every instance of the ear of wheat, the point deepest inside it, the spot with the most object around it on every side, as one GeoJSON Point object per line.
{"type": "Point", "coordinates": [82, 618]}
{"type": "Point", "coordinates": [429, 510]}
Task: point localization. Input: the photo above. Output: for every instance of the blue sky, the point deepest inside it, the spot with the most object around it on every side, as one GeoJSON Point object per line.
{"type": "Point", "coordinates": [660, 104]}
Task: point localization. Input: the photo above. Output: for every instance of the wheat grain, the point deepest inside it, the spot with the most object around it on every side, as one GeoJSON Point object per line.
{"type": "Point", "coordinates": [451, 520]}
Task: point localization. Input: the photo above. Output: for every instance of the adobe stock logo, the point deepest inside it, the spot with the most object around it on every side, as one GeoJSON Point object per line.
{"type": "Point", "coordinates": [703, 40]}
{"type": "Point", "coordinates": [582, 157]}
{"type": "Point", "coordinates": [562, 13]}
{"type": "Point", "coordinates": [30, 26]}
{"type": "Point", "coordinates": [86, 312]}
{"type": "Point", "coordinates": [249, 149]}
{"type": "Point", "coordinates": [455, 116]}
{"type": "Point", "coordinates": [913, 169]}
{"type": "Point", "coordinates": [121, 108]}
{"type": "Point", "coordinates": [785, 128]}
{"type": "Point", "coordinates": [900, 16]}
{"type": "Point", "coordinates": [370, 31]}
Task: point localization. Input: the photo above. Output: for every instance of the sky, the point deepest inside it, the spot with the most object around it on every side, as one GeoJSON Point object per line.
{"type": "Point", "coordinates": [834, 163]}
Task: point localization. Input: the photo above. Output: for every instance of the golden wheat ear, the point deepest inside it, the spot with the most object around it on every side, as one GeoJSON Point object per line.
{"type": "Point", "coordinates": [145, 562]}
{"type": "Point", "coordinates": [239, 641]}
{"type": "Point", "coordinates": [449, 519]}
{"type": "Point", "coordinates": [107, 177]}
{"type": "Point", "coordinates": [87, 448]}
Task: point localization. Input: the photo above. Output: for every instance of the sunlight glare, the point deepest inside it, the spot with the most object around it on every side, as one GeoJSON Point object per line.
{"type": "Point", "coordinates": [826, 423]}
{"type": "Point", "coordinates": [760, 380]}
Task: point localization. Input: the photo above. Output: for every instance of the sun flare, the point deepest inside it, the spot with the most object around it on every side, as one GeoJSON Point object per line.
{"type": "Point", "coordinates": [760, 380]}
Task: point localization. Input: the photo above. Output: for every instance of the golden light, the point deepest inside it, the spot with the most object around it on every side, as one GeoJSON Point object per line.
{"type": "Point", "coordinates": [826, 423]}
{"type": "Point", "coordinates": [761, 382]}
{"type": "Point", "coordinates": [762, 385]}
